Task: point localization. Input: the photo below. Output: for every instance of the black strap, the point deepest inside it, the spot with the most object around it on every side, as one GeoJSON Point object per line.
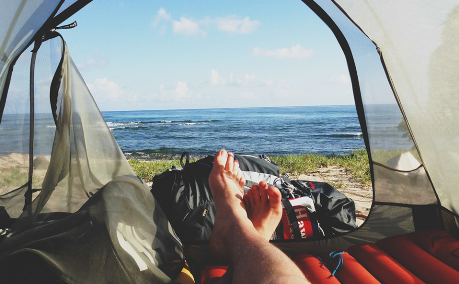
{"type": "Point", "coordinates": [56, 82]}
{"type": "Point", "coordinates": [68, 12]}
{"type": "Point", "coordinates": [28, 193]}
{"type": "Point", "coordinates": [280, 231]}
{"type": "Point", "coordinates": [291, 216]}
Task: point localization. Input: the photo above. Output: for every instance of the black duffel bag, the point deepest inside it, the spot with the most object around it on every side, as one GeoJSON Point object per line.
{"type": "Point", "coordinates": [335, 211]}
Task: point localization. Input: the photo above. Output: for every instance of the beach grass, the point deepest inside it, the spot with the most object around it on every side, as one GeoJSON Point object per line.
{"type": "Point", "coordinates": [355, 164]}
{"type": "Point", "coordinates": [146, 170]}
{"type": "Point", "coordinates": [13, 176]}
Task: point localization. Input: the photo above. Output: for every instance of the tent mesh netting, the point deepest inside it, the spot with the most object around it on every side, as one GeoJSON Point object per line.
{"type": "Point", "coordinates": [64, 180]}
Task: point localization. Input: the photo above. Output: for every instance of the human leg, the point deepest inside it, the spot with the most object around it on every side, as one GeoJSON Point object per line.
{"type": "Point", "coordinates": [253, 258]}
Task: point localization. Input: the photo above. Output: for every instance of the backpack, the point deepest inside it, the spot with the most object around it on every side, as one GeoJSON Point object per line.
{"type": "Point", "coordinates": [184, 196]}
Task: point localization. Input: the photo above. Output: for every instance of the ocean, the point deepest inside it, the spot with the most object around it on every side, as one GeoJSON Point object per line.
{"type": "Point", "coordinates": [156, 134]}
{"type": "Point", "coordinates": [160, 134]}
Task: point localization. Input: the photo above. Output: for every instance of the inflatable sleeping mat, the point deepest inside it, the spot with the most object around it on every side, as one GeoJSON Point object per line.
{"type": "Point", "coordinates": [430, 256]}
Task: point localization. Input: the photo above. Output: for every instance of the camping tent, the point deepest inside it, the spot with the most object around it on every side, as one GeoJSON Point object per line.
{"type": "Point", "coordinates": [84, 210]}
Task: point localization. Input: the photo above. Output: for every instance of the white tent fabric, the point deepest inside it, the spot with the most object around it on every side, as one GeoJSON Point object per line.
{"type": "Point", "coordinates": [17, 28]}
{"type": "Point", "coordinates": [404, 162]}
{"type": "Point", "coordinates": [419, 41]}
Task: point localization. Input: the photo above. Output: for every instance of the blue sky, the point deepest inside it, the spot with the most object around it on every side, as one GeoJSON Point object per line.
{"type": "Point", "coordinates": [137, 55]}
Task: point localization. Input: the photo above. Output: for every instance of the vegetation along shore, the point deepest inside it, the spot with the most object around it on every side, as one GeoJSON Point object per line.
{"type": "Point", "coordinates": [354, 164]}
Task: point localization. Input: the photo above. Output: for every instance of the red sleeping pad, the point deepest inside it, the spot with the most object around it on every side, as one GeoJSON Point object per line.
{"type": "Point", "coordinates": [381, 265]}
{"type": "Point", "coordinates": [211, 274]}
{"type": "Point", "coordinates": [420, 262]}
{"type": "Point", "coordinates": [421, 257]}
{"type": "Point", "coordinates": [351, 271]}
{"type": "Point", "coordinates": [314, 269]}
{"type": "Point", "coordinates": [439, 244]}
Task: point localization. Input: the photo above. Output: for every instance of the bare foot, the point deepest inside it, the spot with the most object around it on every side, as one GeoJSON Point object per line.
{"type": "Point", "coordinates": [264, 209]}
{"type": "Point", "coordinates": [227, 187]}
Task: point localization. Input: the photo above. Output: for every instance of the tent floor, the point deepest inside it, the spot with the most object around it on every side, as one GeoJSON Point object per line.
{"type": "Point", "coordinates": [430, 256]}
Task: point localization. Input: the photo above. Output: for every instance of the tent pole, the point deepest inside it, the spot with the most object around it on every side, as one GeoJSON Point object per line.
{"type": "Point", "coordinates": [28, 193]}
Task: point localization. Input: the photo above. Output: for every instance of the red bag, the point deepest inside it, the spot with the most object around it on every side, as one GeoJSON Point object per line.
{"type": "Point", "coordinates": [299, 220]}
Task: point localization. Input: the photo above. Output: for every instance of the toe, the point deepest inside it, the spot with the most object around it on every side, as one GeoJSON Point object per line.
{"type": "Point", "coordinates": [246, 200]}
{"type": "Point", "coordinates": [263, 188]}
{"type": "Point", "coordinates": [237, 172]}
{"type": "Point", "coordinates": [230, 162]}
{"type": "Point", "coordinates": [242, 181]}
{"type": "Point", "coordinates": [274, 197]}
{"type": "Point", "coordinates": [236, 166]}
{"type": "Point", "coordinates": [221, 158]}
{"type": "Point", "coordinates": [250, 200]}
{"type": "Point", "coordinates": [255, 192]}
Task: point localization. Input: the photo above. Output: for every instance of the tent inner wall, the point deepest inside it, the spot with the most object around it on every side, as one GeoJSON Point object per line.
{"type": "Point", "coordinates": [75, 157]}
{"type": "Point", "coordinates": [14, 141]}
{"type": "Point", "coordinates": [84, 155]}
{"type": "Point", "coordinates": [399, 175]}
{"type": "Point", "coordinates": [418, 42]}
{"type": "Point", "coordinates": [396, 160]}
{"type": "Point", "coordinates": [15, 127]}
{"type": "Point", "coordinates": [72, 157]}
{"type": "Point", "coordinates": [17, 28]}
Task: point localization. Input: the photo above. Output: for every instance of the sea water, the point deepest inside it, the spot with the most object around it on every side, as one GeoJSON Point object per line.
{"type": "Point", "coordinates": [159, 134]}
{"type": "Point", "coordinates": [152, 134]}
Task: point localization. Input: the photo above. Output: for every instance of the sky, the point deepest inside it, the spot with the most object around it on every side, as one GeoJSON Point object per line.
{"type": "Point", "coordinates": [175, 54]}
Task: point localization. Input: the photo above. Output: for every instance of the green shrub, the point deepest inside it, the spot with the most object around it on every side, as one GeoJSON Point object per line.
{"type": "Point", "coordinates": [355, 164]}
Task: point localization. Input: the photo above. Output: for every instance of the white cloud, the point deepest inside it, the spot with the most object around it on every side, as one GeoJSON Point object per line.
{"type": "Point", "coordinates": [161, 15]}
{"type": "Point", "coordinates": [296, 51]}
{"type": "Point", "coordinates": [187, 27]}
{"type": "Point", "coordinates": [176, 92]}
{"type": "Point", "coordinates": [341, 79]}
{"type": "Point", "coordinates": [216, 79]}
{"type": "Point", "coordinates": [237, 25]}
{"type": "Point", "coordinates": [161, 20]}
{"type": "Point", "coordinates": [181, 89]}
{"type": "Point", "coordinates": [105, 90]}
